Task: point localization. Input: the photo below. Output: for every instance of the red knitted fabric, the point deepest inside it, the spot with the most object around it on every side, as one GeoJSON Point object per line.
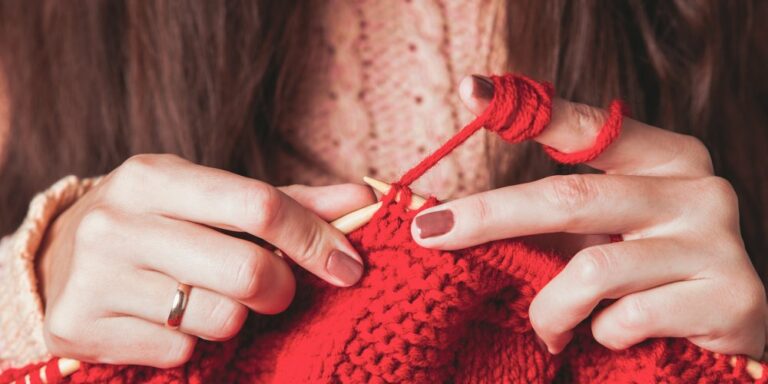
{"type": "Point", "coordinates": [422, 315]}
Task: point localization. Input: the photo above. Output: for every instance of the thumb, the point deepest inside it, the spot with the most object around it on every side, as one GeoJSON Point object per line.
{"type": "Point", "coordinates": [332, 201]}
{"type": "Point", "coordinates": [476, 92]}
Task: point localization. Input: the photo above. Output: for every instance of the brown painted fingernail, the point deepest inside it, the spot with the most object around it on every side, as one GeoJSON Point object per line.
{"type": "Point", "coordinates": [434, 223]}
{"type": "Point", "coordinates": [344, 267]}
{"type": "Point", "coordinates": [483, 87]}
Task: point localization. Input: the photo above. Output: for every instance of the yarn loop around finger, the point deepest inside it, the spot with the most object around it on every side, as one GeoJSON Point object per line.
{"type": "Point", "coordinates": [521, 108]}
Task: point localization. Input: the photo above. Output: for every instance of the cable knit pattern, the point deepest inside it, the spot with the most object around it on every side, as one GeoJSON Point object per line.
{"type": "Point", "coordinates": [383, 90]}
{"type": "Point", "coordinates": [21, 324]}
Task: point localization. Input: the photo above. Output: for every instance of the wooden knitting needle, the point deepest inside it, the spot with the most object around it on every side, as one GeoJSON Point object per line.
{"type": "Point", "coordinates": [416, 200]}
{"type": "Point", "coordinates": [66, 367]}
{"type": "Point", "coordinates": [753, 368]}
{"type": "Point", "coordinates": [356, 219]}
{"type": "Point", "coordinates": [362, 216]}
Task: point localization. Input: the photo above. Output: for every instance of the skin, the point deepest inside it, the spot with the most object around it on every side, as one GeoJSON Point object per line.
{"type": "Point", "coordinates": [109, 264]}
{"type": "Point", "coordinates": [682, 270]}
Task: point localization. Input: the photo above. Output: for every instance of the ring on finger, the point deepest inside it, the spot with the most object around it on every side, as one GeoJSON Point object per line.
{"type": "Point", "coordinates": [178, 307]}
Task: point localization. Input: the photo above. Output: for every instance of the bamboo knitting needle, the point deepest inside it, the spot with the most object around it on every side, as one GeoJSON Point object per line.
{"type": "Point", "coordinates": [362, 216]}
{"type": "Point", "coordinates": [753, 368]}
{"type": "Point", "coordinates": [416, 200]}
{"type": "Point", "coordinates": [356, 219]}
{"type": "Point", "coordinates": [66, 367]}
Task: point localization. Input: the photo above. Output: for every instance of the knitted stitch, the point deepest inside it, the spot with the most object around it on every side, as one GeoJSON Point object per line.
{"type": "Point", "coordinates": [424, 315]}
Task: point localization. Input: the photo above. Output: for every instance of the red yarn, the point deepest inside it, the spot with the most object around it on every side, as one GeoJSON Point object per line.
{"type": "Point", "coordinates": [520, 109]}
{"type": "Point", "coordinates": [426, 316]}
{"type": "Point", "coordinates": [609, 132]}
{"type": "Point", "coordinates": [32, 372]}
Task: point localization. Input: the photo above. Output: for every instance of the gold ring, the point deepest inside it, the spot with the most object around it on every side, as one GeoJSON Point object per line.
{"type": "Point", "coordinates": [180, 300]}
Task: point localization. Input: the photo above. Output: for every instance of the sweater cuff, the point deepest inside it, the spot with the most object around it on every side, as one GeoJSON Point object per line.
{"type": "Point", "coordinates": [21, 309]}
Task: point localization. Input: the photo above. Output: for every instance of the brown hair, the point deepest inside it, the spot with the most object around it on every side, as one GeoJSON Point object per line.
{"type": "Point", "coordinates": [93, 82]}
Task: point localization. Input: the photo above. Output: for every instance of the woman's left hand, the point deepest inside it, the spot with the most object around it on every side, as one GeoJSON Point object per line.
{"type": "Point", "coordinates": [682, 269]}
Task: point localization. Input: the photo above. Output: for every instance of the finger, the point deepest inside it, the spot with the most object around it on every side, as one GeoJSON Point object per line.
{"type": "Point", "coordinates": [333, 201]}
{"type": "Point", "coordinates": [601, 272]}
{"type": "Point", "coordinates": [641, 149]}
{"type": "Point", "coordinates": [132, 341]}
{"type": "Point", "coordinates": [201, 257]}
{"type": "Point", "coordinates": [224, 200]}
{"type": "Point", "coordinates": [667, 312]}
{"type": "Point", "coordinates": [208, 315]}
{"type": "Point", "coordinates": [585, 204]}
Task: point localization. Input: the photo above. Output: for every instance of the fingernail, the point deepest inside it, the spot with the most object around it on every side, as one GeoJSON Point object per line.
{"type": "Point", "coordinates": [343, 267]}
{"type": "Point", "coordinates": [483, 87]}
{"type": "Point", "coordinates": [434, 223]}
{"type": "Point", "coordinates": [541, 344]}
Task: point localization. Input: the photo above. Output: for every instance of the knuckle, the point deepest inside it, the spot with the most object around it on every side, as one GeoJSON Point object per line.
{"type": "Point", "coordinates": [179, 351]}
{"type": "Point", "coordinates": [586, 119]}
{"type": "Point", "coordinates": [698, 153]}
{"type": "Point", "coordinates": [609, 331]}
{"type": "Point", "coordinates": [95, 225]}
{"type": "Point", "coordinates": [748, 300]}
{"type": "Point", "coordinates": [542, 321]}
{"type": "Point", "coordinates": [634, 313]}
{"type": "Point", "coordinates": [262, 205]}
{"type": "Point", "coordinates": [226, 319]}
{"type": "Point", "coordinates": [612, 342]}
{"type": "Point", "coordinates": [592, 265]}
{"type": "Point", "coordinates": [137, 166]}
{"type": "Point", "coordinates": [250, 276]}
{"type": "Point", "coordinates": [126, 178]}
{"type": "Point", "coordinates": [602, 336]}
{"type": "Point", "coordinates": [312, 246]}
{"type": "Point", "coordinates": [570, 193]}
{"type": "Point", "coordinates": [481, 208]}
{"type": "Point", "coordinates": [722, 192]}
{"type": "Point", "coordinates": [719, 200]}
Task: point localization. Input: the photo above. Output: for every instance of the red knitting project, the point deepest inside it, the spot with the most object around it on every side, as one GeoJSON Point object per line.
{"type": "Point", "coordinates": [427, 316]}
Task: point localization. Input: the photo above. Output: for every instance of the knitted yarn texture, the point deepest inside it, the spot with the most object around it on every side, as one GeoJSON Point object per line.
{"type": "Point", "coordinates": [424, 316]}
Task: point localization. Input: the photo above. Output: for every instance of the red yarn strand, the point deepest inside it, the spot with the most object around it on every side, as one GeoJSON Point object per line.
{"type": "Point", "coordinates": [431, 160]}
{"type": "Point", "coordinates": [520, 110]}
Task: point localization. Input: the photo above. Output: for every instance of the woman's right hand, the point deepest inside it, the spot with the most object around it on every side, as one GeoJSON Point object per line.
{"type": "Point", "coordinates": [111, 263]}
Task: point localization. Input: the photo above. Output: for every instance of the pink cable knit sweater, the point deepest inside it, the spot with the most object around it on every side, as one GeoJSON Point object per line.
{"type": "Point", "coordinates": [383, 91]}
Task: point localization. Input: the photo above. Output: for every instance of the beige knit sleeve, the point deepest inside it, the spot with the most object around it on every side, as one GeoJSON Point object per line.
{"type": "Point", "coordinates": [21, 310]}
